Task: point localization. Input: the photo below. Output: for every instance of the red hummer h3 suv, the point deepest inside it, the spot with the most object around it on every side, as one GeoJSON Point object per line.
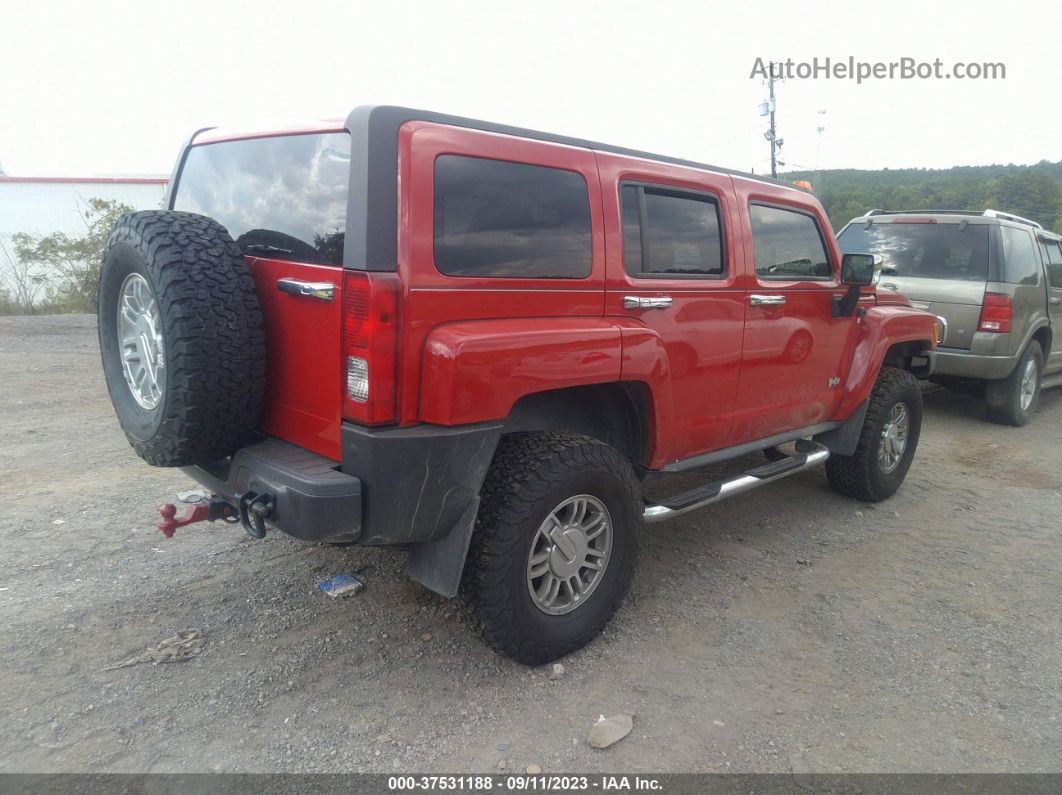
{"type": "Point", "coordinates": [476, 343]}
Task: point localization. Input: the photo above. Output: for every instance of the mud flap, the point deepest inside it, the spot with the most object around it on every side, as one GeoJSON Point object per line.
{"type": "Point", "coordinates": [844, 439]}
{"type": "Point", "coordinates": [438, 564]}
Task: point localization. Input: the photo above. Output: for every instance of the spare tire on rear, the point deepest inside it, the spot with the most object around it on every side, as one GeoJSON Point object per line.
{"type": "Point", "coordinates": [181, 337]}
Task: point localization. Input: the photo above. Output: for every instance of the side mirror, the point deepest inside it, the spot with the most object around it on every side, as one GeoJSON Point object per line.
{"type": "Point", "coordinates": [861, 269]}
{"type": "Point", "coordinates": [857, 270]}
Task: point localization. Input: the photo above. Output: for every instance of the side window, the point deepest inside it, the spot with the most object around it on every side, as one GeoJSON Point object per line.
{"type": "Point", "coordinates": [1054, 263]}
{"type": "Point", "coordinates": [1019, 256]}
{"type": "Point", "coordinates": [670, 233]}
{"type": "Point", "coordinates": [787, 245]}
{"type": "Point", "coordinates": [510, 220]}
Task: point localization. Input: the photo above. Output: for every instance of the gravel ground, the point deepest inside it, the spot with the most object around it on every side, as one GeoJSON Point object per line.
{"type": "Point", "coordinates": [785, 630]}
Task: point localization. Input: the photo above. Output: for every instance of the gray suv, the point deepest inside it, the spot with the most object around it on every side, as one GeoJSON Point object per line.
{"type": "Point", "coordinates": [994, 279]}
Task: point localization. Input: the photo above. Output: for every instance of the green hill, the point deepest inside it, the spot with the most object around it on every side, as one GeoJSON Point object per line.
{"type": "Point", "coordinates": [1031, 191]}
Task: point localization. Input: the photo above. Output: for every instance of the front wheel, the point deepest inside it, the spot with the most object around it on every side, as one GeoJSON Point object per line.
{"type": "Point", "coordinates": [554, 546]}
{"type": "Point", "coordinates": [887, 443]}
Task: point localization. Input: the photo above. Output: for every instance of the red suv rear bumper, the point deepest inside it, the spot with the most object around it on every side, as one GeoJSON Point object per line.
{"type": "Point", "coordinates": [312, 500]}
{"type": "Point", "coordinates": [395, 487]}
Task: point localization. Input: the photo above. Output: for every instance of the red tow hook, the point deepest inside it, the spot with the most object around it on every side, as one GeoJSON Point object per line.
{"type": "Point", "coordinates": [202, 511]}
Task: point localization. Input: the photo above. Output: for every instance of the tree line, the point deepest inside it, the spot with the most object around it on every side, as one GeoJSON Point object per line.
{"type": "Point", "coordinates": [1034, 192]}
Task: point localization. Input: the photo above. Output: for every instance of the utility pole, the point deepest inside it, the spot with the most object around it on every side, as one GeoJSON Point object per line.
{"type": "Point", "coordinates": [771, 134]}
{"type": "Point", "coordinates": [767, 109]}
{"type": "Point", "coordinates": [815, 187]}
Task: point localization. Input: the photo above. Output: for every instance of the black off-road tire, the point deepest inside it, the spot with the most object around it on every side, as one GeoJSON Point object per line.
{"type": "Point", "coordinates": [860, 475]}
{"type": "Point", "coordinates": [533, 473]}
{"type": "Point", "coordinates": [213, 339]}
{"type": "Point", "coordinates": [1003, 397]}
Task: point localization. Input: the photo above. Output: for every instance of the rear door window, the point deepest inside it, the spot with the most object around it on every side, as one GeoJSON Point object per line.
{"type": "Point", "coordinates": [499, 219]}
{"type": "Point", "coordinates": [787, 245]}
{"type": "Point", "coordinates": [1054, 262]}
{"type": "Point", "coordinates": [1019, 256]}
{"type": "Point", "coordinates": [283, 197]}
{"type": "Point", "coordinates": [671, 233]}
{"type": "Point", "coordinates": [923, 251]}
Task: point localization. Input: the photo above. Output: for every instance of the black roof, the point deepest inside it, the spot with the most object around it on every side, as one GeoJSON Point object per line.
{"type": "Point", "coordinates": [393, 117]}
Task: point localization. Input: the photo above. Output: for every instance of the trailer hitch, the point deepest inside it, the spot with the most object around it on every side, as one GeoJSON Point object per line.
{"type": "Point", "coordinates": [200, 510]}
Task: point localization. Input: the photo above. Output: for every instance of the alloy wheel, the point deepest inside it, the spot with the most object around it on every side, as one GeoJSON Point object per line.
{"type": "Point", "coordinates": [140, 341]}
{"type": "Point", "coordinates": [894, 438]}
{"type": "Point", "coordinates": [569, 554]}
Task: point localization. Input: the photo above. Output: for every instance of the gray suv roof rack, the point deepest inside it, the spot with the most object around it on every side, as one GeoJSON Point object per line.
{"type": "Point", "coordinates": [1011, 217]}
{"type": "Point", "coordinates": [923, 212]}
{"type": "Point", "coordinates": [984, 214]}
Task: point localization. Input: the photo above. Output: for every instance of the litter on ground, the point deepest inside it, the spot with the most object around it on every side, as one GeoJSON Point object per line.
{"type": "Point", "coordinates": [341, 585]}
{"type": "Point", "coordinates": [183, 646]}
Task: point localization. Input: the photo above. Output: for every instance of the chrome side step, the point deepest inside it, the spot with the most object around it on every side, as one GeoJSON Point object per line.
{"type": "Point", "coordinates": [808, 455]}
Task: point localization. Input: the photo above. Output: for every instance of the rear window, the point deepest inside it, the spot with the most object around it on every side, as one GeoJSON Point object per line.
{"type": "Point", "coordinates": [494, 218]}
{"type": "Point", "coordinates": [668, 232]}
{"type": "Point", "coordinates": [283, 197]}
{"type": "Point", "coordinates": [924, 251]}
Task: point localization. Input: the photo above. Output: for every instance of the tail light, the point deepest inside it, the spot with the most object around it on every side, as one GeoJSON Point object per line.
{"type": "Point", "coordinates": [995, 313]}
{"type": "Point", "coordinates": [370, 332]}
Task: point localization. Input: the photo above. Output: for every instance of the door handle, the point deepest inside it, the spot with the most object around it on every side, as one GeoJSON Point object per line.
{"type": "Point", "coordinates": [766, 300]}
{"type": "Point", "coordinates": [643, 302]}
{"type": "Point", "coordinates": [1053, 300]}
{"type": "Point", "coordinates": [322, 291]}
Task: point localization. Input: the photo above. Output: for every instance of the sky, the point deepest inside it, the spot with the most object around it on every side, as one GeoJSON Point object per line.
{"type": "Point", "coordinates": [105, 87]}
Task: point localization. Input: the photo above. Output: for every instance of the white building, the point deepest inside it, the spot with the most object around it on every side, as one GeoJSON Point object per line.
{"type": "Point", "coordinates": [43, 205]}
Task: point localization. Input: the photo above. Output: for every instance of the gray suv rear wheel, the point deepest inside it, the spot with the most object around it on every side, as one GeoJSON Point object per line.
{"type": "Point", "coordinates": [1013, 400]}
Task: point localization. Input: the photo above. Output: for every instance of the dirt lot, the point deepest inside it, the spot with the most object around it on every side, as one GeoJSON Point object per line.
{"type": "Point", "coordinates": [788, 629]}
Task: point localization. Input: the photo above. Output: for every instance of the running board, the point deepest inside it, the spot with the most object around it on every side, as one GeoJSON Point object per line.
{"type": "Point", "coordinates": [809, 454]}
{"type": "Point", "coordinates": [1048, 381]}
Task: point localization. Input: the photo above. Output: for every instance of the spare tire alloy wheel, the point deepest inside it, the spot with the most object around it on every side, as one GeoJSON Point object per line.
{"type": "Point", "coordinates": [140, 341]}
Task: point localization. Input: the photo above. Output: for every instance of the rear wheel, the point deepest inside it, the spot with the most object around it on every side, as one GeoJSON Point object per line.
{"type": "Point", "coordinates": [887, 443]}
{"type": "Point", "coordinates": [554, 545]}
{"type": "Point", "coordinates": [1013, 400]}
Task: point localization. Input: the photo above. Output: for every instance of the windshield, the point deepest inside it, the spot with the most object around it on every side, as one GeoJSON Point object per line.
{"type": "Point", "coordinates": [924, 251]}
{"type": "Point", "coordinates": [283, 197]}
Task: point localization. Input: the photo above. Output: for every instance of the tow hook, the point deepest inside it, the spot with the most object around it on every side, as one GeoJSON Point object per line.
{"type": "Point", "coordinates": [198, 510]}
{"type": "Point", "coordinates": [255, 508]}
